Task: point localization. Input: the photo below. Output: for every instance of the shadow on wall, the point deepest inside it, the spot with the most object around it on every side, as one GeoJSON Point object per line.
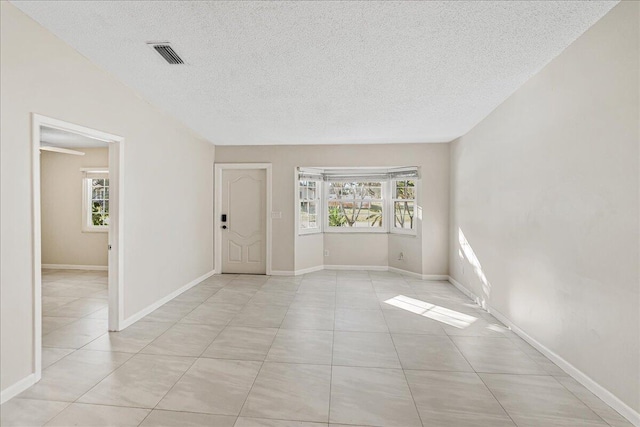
{"type": "Point", "coordinates": [466, 251]}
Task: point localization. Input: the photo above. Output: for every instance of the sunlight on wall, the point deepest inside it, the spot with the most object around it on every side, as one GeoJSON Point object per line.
{"type": "Point", "coordinates": [432, 311]}
{"type": "Point", "coordinates": [475, 263]}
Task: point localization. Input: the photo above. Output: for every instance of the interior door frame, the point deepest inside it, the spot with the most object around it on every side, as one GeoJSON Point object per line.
{"type": "Point", "coordinates": [116, 234]}
{"type": "Point", "coordinates": [217, 211]}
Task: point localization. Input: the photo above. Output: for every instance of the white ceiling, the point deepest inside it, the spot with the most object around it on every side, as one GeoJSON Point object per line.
{"type": "Point", "coordinates": [60, 138]}
{"type": "Point", "coordinates": [323, 72]}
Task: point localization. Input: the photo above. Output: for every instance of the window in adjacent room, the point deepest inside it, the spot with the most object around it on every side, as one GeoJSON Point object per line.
{"type": "Point", "coordinates": [95, 201]}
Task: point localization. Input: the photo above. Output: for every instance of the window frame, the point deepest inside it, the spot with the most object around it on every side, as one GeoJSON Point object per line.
{"type": "Point", "coordinates": [384, 228]}
{"type": "Point", "coordinates": [319, 207]}
{"type": "Point", "coordinates": [392, 201]}
{"type": "Point", "coordinates": [87, 199]}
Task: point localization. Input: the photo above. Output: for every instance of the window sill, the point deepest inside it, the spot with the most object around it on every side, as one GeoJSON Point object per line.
{"type": "Point", "coordinates": [392, 233]}
{"type": "Point", "coordinates": [346, 230]}
{"type": "Point", "coordinates": [95, 230]}
{"type": "Point", "coordinates": [395, 233]}
{"type": "Point", "coordinates": [310, 233]}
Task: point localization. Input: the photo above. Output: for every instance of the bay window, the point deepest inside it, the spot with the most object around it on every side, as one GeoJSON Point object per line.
{"type": "Point", "coordinates": [357, 200]}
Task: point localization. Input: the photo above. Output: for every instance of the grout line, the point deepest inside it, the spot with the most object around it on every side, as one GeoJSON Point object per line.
{"type": "Point", "coordinates": [485, 384]}
{"type": "Point", "coordinates": [404, 374]}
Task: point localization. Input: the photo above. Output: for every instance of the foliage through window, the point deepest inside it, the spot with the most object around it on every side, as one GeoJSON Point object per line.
{"type": "Point", "coordinates": [355, 204]}
{"type": "Point", "coordinates": [404, 201]}
{"type": "Point", "coordinates": [96, 203]}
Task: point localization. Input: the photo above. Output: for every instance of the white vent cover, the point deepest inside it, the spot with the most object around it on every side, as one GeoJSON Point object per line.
{"type": "Point", "coordinates": [165, 50]}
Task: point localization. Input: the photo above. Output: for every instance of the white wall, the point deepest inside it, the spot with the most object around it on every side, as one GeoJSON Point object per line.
{"type": "Point", "coordinates": [546, 192]}
{"type": "Point", "coordinates": [168, 176]}
{"type": "Point", "coordinates": [309, 251]}
{"type": "Point", "coordinates": [63, 241]}
{"type": "Point", "coordinates": [370, 249]}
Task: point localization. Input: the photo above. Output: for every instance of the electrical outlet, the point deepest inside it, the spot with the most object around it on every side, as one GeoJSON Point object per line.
{"type": "Point", "coordinates": [326, 253]}
{"type": "Point", "coordinates": [401, 256]}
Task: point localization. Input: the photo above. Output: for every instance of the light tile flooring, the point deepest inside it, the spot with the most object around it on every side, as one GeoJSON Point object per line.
{"type": "Point", "coordinates": [329, 348]}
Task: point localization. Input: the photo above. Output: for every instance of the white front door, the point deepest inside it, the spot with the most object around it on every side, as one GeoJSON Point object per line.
{"type": "Point", "coordinates": [244, 241]}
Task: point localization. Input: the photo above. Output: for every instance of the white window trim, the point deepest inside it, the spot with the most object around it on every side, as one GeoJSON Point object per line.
{"type": "Point", "coordinates": [319, 212]}
{"type": "Point", "coordinates": [391, 202]}
{"type": "Point", "coordinates": [347, 230]}
{"type": "Point", "coordinates": [87, 226]}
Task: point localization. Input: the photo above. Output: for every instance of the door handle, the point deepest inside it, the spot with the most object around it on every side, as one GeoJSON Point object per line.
{"type": "Point", "coordinates": [224, 227]}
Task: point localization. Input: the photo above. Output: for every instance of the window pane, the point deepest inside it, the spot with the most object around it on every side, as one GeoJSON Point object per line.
{"type": "Point", "coordinates": [98, 193]}
{"type": "Point", "coordinates": [373, 193]}
{"type": "Point", "coordinates": [405, 190]}
{"type": "Point", "coordinates": [304, 215]}
{"type": "Point", "coordinates": [100, 213]}
{"type": "Point", "coordinates": [311, 192]}
{"type": "Point", "coordinates": [355, 204]}
{"type": "Point", "coordinates": [403, 215]}
{"type": "Point", "coordinates": [336, 190]}
{"type": "Point", "coordinates": [312, 208]}
{"type": "Point", "coordinates": [374, 214]}
{"type": "Point", "coordinates": [335, 215]}
{"type": "Point", "coordinates": [313, 221]}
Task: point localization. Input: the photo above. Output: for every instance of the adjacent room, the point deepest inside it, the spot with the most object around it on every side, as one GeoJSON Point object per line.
{"type": "Point", "coordinates": [74, 201]}
{"type": "Point", "coordinates": [320, 213]}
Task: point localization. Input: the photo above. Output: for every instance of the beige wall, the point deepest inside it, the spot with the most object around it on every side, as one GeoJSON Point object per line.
{"type": "Point", "coordinates": [165, 165]}
{"type": "Point", "coordinates": [63, 241]}
{"type": "Point", "coordinates": [434, 197]}
{"type": "Point", "coordinates": [546, 191]}
{"type": "Point", "coordinates": [359, 249]}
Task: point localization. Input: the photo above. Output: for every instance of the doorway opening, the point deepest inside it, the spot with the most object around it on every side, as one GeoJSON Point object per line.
{"type": "Point", "coordinates": [243, 218]}
{"type": "Point", "coordinates": [77, 236]}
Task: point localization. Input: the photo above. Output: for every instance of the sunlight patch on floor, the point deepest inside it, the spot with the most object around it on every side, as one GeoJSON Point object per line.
{"type": "Point", "coordinates": [432, 311]}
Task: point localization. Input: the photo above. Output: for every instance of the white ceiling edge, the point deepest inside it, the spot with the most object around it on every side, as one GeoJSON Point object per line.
{"type": "Point", "coordinates": [323, 73]}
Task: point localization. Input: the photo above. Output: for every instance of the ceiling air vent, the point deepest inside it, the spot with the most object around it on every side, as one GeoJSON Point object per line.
{"type": "Point", "coordinates": [166, 51]}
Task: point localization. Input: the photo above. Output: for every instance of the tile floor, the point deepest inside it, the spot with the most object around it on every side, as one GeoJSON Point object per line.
{"type": "Point", "coordinates": [342, 348]}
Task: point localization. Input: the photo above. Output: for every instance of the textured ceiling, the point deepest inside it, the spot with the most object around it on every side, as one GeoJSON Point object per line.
{"type": "Point", "coordinates": [61, 138]}
{"type": "Point", "coordinates": [323, 72]}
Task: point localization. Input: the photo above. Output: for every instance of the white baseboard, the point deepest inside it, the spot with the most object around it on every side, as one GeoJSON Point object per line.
{"type": "Point", "coordinates": [308, 270]}
{"type": "Point", "coordinates": [17, 388]}
{"type": "Point", "coordinates": [139, 315]}
{"type": "Point", "coordinates": [281, 273]}
{"type": "Point", "coordinates": [75, 267]}
{"type": "Point", "coordinates": [435, 277]}
{"type": "Point", "coordinates": [463, 289]}
{"type": "Point", "coordinates": [360, 268]}
{"type": "Point", "coordinates": [605, 395]}
{"type": "Point", "coordinates": [357, 267]}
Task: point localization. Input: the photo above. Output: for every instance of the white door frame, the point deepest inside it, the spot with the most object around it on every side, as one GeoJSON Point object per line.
{"type": "Point", "coordinates": [116, 210]}
{"type": "Point", "coordinates": [217, 211]}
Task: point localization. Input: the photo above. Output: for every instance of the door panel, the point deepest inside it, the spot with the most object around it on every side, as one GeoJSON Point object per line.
{"type": "Point", "coordinates": [244, 203]}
